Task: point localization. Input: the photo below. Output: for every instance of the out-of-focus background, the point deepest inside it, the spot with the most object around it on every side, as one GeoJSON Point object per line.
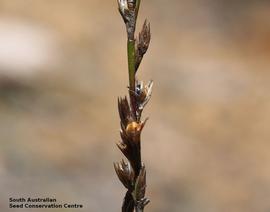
{"type": "Point", "coordinates": [207, 144]}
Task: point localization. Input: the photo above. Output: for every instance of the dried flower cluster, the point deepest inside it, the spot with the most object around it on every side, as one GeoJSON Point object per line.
{"type": "Point", "coordinates": [132, 173]}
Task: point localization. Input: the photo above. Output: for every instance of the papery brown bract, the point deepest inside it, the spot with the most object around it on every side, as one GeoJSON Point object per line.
{"type": "Point", "coordinates": [125, 173]}
{"type": "Point", "coordinates": [142, 43]}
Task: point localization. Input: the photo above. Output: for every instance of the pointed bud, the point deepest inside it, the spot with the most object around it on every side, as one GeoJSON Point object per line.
{"type": "Point", "coordinates": [124, 112]}
{"type": "Point", "coordinates": [125, 173]}
{"type": "Point", "coordinates": [142, 43]}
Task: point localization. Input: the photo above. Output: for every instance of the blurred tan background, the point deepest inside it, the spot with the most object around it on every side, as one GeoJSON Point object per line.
{"type": "Point", "coordinates": [206, 146]}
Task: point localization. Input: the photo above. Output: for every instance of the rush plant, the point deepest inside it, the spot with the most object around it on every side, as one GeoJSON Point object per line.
{"type": "Point", "coordinates": [132, 173]}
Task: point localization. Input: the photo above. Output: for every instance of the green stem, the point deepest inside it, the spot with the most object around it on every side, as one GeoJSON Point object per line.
{"type": "Point", "coordinates": [137, 7]}
{"type": "Point", "coordinates": [131, 73]}
{"type": "Point", "coordinates": [131, 64]}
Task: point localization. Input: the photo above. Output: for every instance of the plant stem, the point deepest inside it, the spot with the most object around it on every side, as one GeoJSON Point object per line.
{"type": "Point", "coordinates": [131, 64]}
{"type": "Point", "coordinates": [137, 7]}
{"type": "Point", "coordinates": [132, 174]}
{"type": "Point", "coordinates": [131, 73]}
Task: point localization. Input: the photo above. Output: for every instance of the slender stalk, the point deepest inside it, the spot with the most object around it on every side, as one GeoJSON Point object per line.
{"type": "Point", "coordinates": [131, 64]}
{"type": "Point", "coordinates": [132, 173]}
{"type": "Point", "coordinates": [138, 3]}
{"type": "Point", "coordinates": [131, 73]}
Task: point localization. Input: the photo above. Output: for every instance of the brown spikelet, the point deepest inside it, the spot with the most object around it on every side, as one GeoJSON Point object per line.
{"type": "Point", "coordinates": [142, 43]}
